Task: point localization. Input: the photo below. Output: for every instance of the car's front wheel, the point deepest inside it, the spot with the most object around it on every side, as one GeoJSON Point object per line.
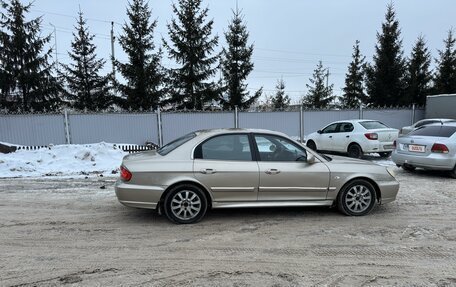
{"type": "Point", "coordinates": [357, 198]}
{"type": "Point", "coordinates": [185, 203]}
{"type": "Point", "coordinates": [311, 144]}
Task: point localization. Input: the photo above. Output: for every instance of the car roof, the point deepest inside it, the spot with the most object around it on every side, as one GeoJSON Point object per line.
{"type": "Point", "coordinates": [207, 132]}
{"type": "Point", "coordinates": [437, 119]}
{"type": "Point", "coordinates": [354, 121]}
{"type": "Point", "coordinates": [451, 124]}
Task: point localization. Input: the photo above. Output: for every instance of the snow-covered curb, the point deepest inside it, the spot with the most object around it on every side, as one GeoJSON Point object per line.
{"type": "Point", "coordinates": [63, 160]}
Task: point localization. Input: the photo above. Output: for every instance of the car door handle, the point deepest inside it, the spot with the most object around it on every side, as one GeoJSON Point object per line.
{"type": "Point", "coordinates": [207, 171]}
{"type": "Point", "coordinates": [272, 171]}
{"type": "Point", "coordinates": [347, 136]}
{"type": "Point", "coordinates": [330, 137]}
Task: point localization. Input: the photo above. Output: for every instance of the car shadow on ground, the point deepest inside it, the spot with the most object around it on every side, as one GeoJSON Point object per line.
{"type": "Point", "coordinates": [429, 173]}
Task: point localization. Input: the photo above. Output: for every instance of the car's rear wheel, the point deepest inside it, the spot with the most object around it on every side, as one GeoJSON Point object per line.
{"type": "Point", "coordinates": [453, 172]}
{"type": "Point", "coordinates": [311, 144]}
{"type": "Point", "coordinates": [355, 151]}
{"type": "Point", "coordinates": [408, 167]}
{"type": "Point", "coordinates": [185, 203]}
{"type": "Point", "coordinates": [384, 154]}
{"type": "Point", "coordinates": [357, 198]}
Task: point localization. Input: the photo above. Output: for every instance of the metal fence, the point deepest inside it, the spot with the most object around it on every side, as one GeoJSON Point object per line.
{"type": "Point", "coordinates": [161, 128]}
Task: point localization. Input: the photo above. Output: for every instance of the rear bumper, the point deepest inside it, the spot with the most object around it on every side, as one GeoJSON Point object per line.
{"type": "Point", "coordinates": [388, 190]}
{"type": "Point", "coordinates": [138, 196]}
{"type": "Point", "coordinates": [376, 146]}
{"type": "Point", "coordinates": [434, 161]}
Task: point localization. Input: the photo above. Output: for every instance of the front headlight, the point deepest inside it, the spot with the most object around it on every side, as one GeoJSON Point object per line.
{"type": "Point", "coordinates": [390, 170]}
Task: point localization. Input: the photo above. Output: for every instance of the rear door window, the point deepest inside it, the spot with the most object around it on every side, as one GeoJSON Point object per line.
{"type": "Point", "coordinates": [225, 147]}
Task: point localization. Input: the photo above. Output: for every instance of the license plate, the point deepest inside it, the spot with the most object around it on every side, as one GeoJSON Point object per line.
{"type": "Point", "coordinates": [389, 146]}
{"type": "Point", "coordinates": [416, 148]}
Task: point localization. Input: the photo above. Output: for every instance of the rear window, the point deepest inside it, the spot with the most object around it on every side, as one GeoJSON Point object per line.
{"type": "Point", "coordinates": [434, 131]}
{"type": "Point", "coordinates": [166, 149]}
{"type": "Point", "coordinates": [372, 125]}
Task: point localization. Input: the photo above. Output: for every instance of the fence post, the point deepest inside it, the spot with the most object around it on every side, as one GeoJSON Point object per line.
{"type": "Point", "coordinates": [301, 124]}
{"type": "Point", "coordinates": [360, 112]}
{"type": "Point", "coordinates": [236, 117]}
{"type": "Point", "coordinates": [413, 113]}
{"type": "Point", "coordinates": [159, 128]}
{"type": "Point", "coordinates": [67, 126]}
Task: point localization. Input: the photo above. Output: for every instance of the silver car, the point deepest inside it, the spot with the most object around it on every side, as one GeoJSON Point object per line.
{"type": "Point", "coordinates": [233, 168]}
{"type": "Point", "coordinates": [430, 147]}
{"type": "Point", "coordinates": [405, 130]}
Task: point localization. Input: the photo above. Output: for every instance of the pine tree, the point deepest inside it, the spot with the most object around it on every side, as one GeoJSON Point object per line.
{"type": "Point", "coordinates": [280, 100]}
{"type": "Point", "coordinates": [86, 88]}
{"type": "Point", "coordinates": [319, 95]}
{"type": "Point", "coordinates": [418, 76]}
{"type": "Point", "coordinates": [354, 81]}
{"type": "Point", "coordinates": [191, 46]}
{"type": "Point", "coordinates": [236, 65]}
{"type": "Point", "coordinates": [385, 77]}
{"type": "Point", "coordinates": [143, 71]}
{"type": "Point", "coordinates": [27, 82]}
{"type": "Point", "coordinates": [445, 76]}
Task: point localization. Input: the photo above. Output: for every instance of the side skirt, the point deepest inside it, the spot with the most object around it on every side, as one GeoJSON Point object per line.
{"type": "Point", "coordinates": [271, 204]}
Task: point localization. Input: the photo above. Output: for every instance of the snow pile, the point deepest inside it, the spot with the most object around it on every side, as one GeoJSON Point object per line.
{"type": "Point", "coordinates": [62, 160]}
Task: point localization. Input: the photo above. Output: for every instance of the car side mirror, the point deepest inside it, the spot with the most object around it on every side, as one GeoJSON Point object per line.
{"type": "Point", "coordinates": [310, 158]}
{"type": "Point", "coordinates": [319, 131]}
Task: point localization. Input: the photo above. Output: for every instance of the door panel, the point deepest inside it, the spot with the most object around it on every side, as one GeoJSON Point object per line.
{"type": "Point", "coordinates": [228, 180]}
{"type": "Point", "coordinates": [293, 181]}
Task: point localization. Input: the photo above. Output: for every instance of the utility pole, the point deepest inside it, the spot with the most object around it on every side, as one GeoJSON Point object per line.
{"type": "Point", "coordinates": [112, 50]}
{"type": "Point", "coordinates": [327, 79]}
{"type": "Point", "coordinates": [55, 46]}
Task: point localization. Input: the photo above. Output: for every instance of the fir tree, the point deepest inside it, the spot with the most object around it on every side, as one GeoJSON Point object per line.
{"type": "Point", "coordinates": [385, 77]}
{"type": "Point", "coordinates": [318, 95]}
{"type": "Point", "coordinates": [86, 88]}
{"type": "Point", "coordinates": [418, 77]}
{"type": "Point", "coordinates": [445, 76]}
{"type": "Point", "coordinates": [191, 46]}
{"type": "Point", "coordinates": [280, 100]}
{"type": "Point", "coordinates": [27, 82]}
{"type": "Point", "coordinates": [236, 65]}
{"type": "Point", "coordinates": [143, 71]}
{"type": "Point", "coordinates": [354, 81]}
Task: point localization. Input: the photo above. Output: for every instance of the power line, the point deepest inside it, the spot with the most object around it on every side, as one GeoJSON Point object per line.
{"type": "Point", "coordinates": [74, 17]}
{"type": "Point", "coordinates": [303, 53]}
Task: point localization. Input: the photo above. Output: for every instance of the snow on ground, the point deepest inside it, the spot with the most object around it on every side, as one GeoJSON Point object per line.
{"type": "Point", "coordinates": [63, 160]}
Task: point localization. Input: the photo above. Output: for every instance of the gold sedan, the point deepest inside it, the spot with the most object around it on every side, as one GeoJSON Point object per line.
{"type": "Point", "coordinates": [234, 168]}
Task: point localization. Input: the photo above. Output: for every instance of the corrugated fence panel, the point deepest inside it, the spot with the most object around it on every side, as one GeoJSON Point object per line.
{"type": "Point", "coordinates": [419, 114]}
{"type": "Point", "coordinates": [392, 118]}
{"type": "Point", "coordinates": [32, 129]}
{"type": "Point", "coordinates": [286, 122]}
{"type": "Point", "coordinates": [315, 120]}
{"type": "Point", "coordinates": [114, 128]}
{"type": "Point", "coordinates": [175, 125]}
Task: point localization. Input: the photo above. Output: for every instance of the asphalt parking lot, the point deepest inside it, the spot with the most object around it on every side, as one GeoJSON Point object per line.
{"type": "Point", "coordinates": [73, 231]}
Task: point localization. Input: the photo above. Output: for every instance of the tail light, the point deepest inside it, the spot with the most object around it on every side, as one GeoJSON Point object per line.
{"type": "Point", "coordinates": [125, 174]}
{"type": "Point", "coordinates": [371, 136]}
{"type": "Point", "coordinates": [394, 144]}
{"type": "Point", "coordinates": [439, 148]}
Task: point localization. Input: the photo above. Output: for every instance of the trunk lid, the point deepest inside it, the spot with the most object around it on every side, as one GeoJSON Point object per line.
{"type": "Point", "coordinates": [386, 135]}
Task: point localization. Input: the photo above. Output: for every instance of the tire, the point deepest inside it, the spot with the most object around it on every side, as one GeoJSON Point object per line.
{"type": "Point", "coordinates": [385, 154]}
{"type": "Point", "coordinates": [185, 204]}
{"type": "Point", "coordinates": [355, 151]}
{"type": "Point", "coordinates": [357, 198]}
{"type": "Point", "coordinates": [453, 172]}
{"type": "Point", "coordinates": [407, 167]}
{"type": "Point", "coordinates": [311, 144]}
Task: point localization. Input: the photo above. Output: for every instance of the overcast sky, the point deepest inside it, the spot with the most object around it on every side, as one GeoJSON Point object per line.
{"type": "Point", "coordinates": [290, 36]}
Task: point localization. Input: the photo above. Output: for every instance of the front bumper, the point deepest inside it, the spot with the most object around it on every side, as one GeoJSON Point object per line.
{"type": "Point", "coordinates": [388, 190]}
{"type": "Point", "coordinates": [436, 161]}
{"type": "Point", "coordinates": [138, 196]}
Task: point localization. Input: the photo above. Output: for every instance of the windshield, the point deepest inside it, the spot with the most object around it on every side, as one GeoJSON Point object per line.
{"type": "Point", "coordinates": [164, 150]}
{"type": "Point", "coordinates": [434, 131]}
{"type": "Point", "coordinates": [372, 125]}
